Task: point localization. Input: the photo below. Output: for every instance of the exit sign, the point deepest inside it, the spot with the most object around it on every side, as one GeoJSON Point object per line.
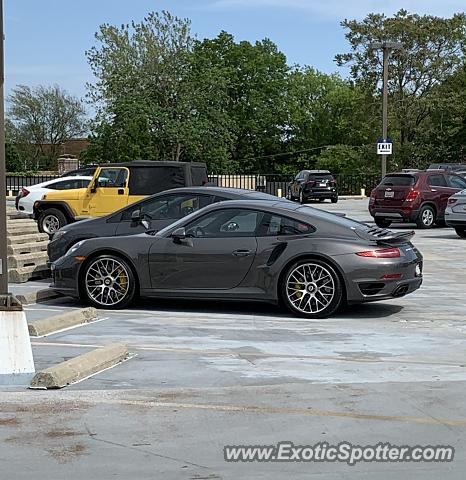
{"type": "Point", "coordinates": [384, 148]}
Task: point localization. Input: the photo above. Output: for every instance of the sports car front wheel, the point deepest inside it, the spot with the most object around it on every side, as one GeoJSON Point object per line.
{"type": "Point", "coordinates": [312, 289]}
{"type": "Point", "coordinates": [108, 282]}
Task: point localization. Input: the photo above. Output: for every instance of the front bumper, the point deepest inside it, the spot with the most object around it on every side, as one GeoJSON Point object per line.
{"type": "Point", "coordinates": [65, 276]}
{"type": "Point", "coordinates": [455, 219]}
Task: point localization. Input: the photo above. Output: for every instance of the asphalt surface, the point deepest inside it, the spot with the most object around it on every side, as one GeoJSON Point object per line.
{"type": "Point", "coordinates": [209, 374]}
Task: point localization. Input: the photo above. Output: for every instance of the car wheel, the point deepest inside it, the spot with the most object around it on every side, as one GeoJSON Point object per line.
{"type": "Point", "coordinates": [51, 220]}
{"type": "Point", "coordinates": [302, 200]}
{"type": "Point", "coordinates": [426, 218]}
{"type": "Point", "coordinates": [108, 282]}
{"type": "Point", "coordinates": [289, 196]}
{"type": "Point", "coordinates": [311, 289]}
{"type": "Point", "coordinates": [461, 232]}
{"type": "Point", "coordinates": [382, 222]}
{"type": "Point", "coordinates": [334, 199]}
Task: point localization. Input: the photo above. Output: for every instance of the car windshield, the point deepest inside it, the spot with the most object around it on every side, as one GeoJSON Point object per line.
{"type": "Point", "coordinates": [399, 181]}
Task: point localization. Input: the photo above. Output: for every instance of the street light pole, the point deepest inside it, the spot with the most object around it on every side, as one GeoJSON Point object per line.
{"type": "Point", "coordinates": [386, 48]}
{"type": "Point", "coordinates": [3, 242]}
{"type": "Point", "coordinates": [386, 56]}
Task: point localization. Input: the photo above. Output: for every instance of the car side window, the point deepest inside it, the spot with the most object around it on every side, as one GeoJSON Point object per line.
{"type": "Point", "coordinates": [277, 225]}
{"type": "Point", "coordinates": [170, 207]}
{"type": "Point", "coordinates": [228, 222]}
{"type": "Point", "coordinates": [65, 185]}
{"type": "Point", "coordinates": [436, 181]}
{"type": "Point", "coordinates": [456, 182]}
{"type": "Point", "coordinates": [112, 178]}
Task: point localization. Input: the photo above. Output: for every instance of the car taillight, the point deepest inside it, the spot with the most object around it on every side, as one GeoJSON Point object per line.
{"type": "Point", "coordinates": [311, 182]}
{"type": "Point", "coordinates": [25, 192]}
{"type": "Point", "coordinates": [412, 195]}
{"type": "Point", "coordinates": [381, 253]}
{"type": "Point", "coordinates": [451, 201]}
{"type": "Point", "coordinates": [373, 194]}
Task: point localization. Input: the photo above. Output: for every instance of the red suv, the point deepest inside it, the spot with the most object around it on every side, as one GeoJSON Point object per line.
{"type": "Point", "coordinates": [418, 197]}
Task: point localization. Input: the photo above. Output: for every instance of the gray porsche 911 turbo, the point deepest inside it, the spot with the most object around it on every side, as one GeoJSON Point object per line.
{"type": "Point", "coordinates": [310, 260]}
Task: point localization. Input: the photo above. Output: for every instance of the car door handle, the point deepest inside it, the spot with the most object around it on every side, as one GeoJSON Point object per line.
{"type": "Point", "coordinates": [241, 253]}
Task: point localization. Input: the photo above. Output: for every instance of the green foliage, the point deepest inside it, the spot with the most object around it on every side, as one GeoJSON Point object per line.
{"type": "Point", "coordinates": [40, 119]}
{"type": "Point", "coordinates": [12, 158]}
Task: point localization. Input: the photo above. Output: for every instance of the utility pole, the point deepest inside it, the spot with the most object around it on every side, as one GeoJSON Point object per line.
{"type": "Point", "coordinates": [386, 48]}
{"type": "Point", "coordinates": [3, 247]}
{"type": "Point", "coordinates": [16, 360]}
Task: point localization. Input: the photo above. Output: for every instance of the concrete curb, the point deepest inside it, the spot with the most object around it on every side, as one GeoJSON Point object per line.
{"type": "Point", "coordinates": [61, 321]}
{"type": "Point", "coordinates": [352, 197]}
{"type": "Point", "coordinates": [81, 367]}
{"type": "Point", "coordinates": [38, 296]}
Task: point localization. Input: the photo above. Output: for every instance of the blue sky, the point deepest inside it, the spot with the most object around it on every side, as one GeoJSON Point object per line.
{"type": "Point", "coordinates": [45, 40]}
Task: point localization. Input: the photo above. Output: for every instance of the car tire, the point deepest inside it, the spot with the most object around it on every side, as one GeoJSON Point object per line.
{"type": "Point", "coordinates": [461, 232]}
{"type": "Point", "coordinates": [311, 298]}
{"type": "Point", "coordinates": [302, 199]}
{"type": "Point", "coordinates": [289, 195]}
{"type": "Point", "coordinates": [51, 220]}
{"type": "Point", "coordinates": [426, 217]}
{"type": "Point", "coordinates": [334, 199]}
{"type": "Point", "coordinates": [382, 222]}
{"type": "Point", "coordinates": [95, 277]}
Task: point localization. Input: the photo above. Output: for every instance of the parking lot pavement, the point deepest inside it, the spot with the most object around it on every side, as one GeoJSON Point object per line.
{"type": "Point", "coordinates": [207, 375]}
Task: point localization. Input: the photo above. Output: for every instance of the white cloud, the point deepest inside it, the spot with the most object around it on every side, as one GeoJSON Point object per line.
{"type": "Point", "coordinates": [350, 9]}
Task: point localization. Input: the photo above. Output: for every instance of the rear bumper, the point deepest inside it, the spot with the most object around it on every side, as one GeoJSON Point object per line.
{"type": "Point", "coordinates": [331, 193]}
{"type": "Point", "coordinates": [393, 289]}
{"type": "Point", "coordinates": [395, 215]}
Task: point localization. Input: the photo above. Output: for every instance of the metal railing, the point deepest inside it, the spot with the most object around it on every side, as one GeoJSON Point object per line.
{"type": "Point", "coordinates": [275, 184]}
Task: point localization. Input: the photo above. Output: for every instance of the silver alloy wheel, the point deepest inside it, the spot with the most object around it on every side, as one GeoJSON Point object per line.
{"type": "Point", "coordinates": [310, 288]}
{"type": "Point", "coordinates": [107, 281]}
{"type": "Point", "coordinates": [427, 217]}
{"type": "Point", "coordinates": [50, 224]}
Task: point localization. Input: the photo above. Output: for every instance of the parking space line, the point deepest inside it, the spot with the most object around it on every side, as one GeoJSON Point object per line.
{"type": "Point", "coordinates": [235, 353]}
{"type": "Point", "coordinates": [306, 411]}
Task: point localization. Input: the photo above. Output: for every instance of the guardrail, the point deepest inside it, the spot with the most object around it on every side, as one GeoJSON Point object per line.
{"type": "Point", "coordinates": [275, 184]}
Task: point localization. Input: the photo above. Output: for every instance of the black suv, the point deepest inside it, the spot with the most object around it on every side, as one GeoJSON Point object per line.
{"type": "Point", "coordinates": [313, 185]}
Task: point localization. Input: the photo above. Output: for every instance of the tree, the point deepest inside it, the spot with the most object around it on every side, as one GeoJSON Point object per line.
{"type": "Point", "coordinates": [255, 77]}
{"type": "Point", "coordinates": [432, 51]}
{"type": "Point", "coordinates": [43, 118]}
{"type": "Point", "coordinates": [154, 98]}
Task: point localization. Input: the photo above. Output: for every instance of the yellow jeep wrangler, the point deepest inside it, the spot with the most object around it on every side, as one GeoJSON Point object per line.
{"type": "Point", "coordinates": [112, 187]}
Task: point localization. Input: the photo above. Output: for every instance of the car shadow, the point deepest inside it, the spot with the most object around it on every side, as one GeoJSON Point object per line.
{"type": "Point", "coordinates": [225, 307]}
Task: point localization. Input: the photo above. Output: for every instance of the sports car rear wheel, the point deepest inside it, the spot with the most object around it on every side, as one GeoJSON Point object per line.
{"type": "Point", "coordinates": [312, 289]}
{"type": "Point", "coordinates": [108, 282]}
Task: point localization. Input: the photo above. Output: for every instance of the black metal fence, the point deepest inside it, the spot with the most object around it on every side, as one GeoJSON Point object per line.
{"type": "Point", "coordinates": [275, 184]}
{"type": "Point", "coordinates": [15, 182]}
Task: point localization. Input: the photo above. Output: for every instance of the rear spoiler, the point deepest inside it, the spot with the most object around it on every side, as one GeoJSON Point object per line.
{"type": "Point", "coordinates": [383, 236]}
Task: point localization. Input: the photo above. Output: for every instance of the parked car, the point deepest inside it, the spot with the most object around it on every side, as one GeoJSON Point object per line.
{"type": "Point", "coordinates": [455, 213]}
{"type": "Point", "coordinates": [152, 213]}
{"type": "Point", "coordinates": [313, 185]}
{"type": "Point", "coordinates": [417, 197]}
{"type": "Point", "coordinates": [27, 196]}
{"type": "Point", "coordinates": [246, 250]}
{"type": "Point", "coordinates": [458, 168]}
{"type": "Point", "coordinates": [112, 187]}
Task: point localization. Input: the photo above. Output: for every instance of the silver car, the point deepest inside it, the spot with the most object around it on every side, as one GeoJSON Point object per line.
{"type": "Point", "coordinates": [455, 213]}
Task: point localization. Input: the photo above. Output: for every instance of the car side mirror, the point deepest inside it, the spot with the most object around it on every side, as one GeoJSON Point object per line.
{"type": "Point", "coordinates": [179, 234]}
{"type": "Point", "coordinates": [179, 237]}
{"type": "Point", "coordinates": [136, 216]}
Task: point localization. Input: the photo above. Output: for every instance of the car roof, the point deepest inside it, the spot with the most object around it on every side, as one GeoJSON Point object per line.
{"type": "Point", "coordinates": [316, 171]}
{"type": "Point", "coordinates": [152, 163]}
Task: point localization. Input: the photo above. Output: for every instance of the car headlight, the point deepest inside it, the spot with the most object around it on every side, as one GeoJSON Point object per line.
{"type": "Point", "coordinates": [59, 234]}
{"type": "Point", "coordinates": [74, 248]}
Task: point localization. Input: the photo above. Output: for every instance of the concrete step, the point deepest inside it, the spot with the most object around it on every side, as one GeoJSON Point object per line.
{"type": "Point", "coordinates": [28, 238]}
{"type": "Point", "coordinates": [18, 230]}
{"type": "Point", "coordinates": [28, 260]}
{"type": "Point", "coordinates": [23, 274]}
{"type": "Point", "coordinates": [25, 248]}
